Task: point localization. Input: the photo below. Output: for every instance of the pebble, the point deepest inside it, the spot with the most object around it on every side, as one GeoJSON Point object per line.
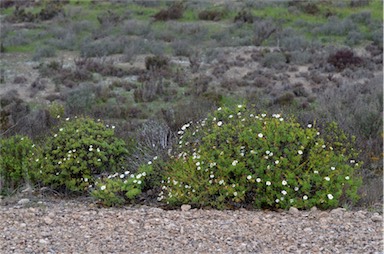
{"type": "Point", "coordinates": [48, 220]}
{"type": "Point", "coordinates": [294, 210]}
{"type": "Point", "coordinates": [23, 201]}
{"type": "Point", "coordinates": [185, 208]}
{"type": "Point", "coordinates": [377, 218]}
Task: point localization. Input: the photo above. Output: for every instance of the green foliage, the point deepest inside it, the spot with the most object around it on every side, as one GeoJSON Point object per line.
{"type": "Point", "coordinates": [15, 156]}
{"type": "Point", "coordinates": [80, 150]}
{"type": "Point", "coordinates": [236, 157]}
{"type": "Point", "coordinates": [120, 188]}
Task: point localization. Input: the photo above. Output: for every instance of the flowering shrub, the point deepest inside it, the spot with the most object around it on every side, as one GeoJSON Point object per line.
{"type": "Point", "coordinates": [236, 157]}
{"type": "Point", "coordinates": [79, 151]}
{"type": "Point", "coordinates": [119, 188]}
{"type": "Point", "coordinates": [15, 156]}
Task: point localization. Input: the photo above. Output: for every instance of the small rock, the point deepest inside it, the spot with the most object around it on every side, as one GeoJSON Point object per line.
{"type": "Point", "coordinates": [255, 221]}
{"type": "Point", "coordinates": [377, 218]}
{"type": "Point", "coordinates": [51, 215]}
{"type": "Point", "coordinates": [294, 211]}
{"type": "Point", "coordinates": [43, 241]}
{"type": "Point", "coordinates": [23, 201]}
{"type": "Point", "coordinates": [338, 211]}
{"type": "Point", "coordinates": [185, 208]}
{"type": "Point", "coordinates": [307, 230]}
{"type": "Point", "coordinates": [48, 220]}
{"type": "Point", "coordinates": [314, 209]}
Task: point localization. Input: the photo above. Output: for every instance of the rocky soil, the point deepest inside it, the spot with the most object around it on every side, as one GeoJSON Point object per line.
{"type": "Point", "coordinates": [78, 226]}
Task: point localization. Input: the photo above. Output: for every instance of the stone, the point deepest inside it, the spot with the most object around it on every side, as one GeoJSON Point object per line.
{"type": "Point", "coordinates": [338, 211]}
{"type": "Point", "coordinates": [313, 209]}
{"type": "Point", "coordinates": [43, 241]}
{"type": "Point", "coordinates": [23, 201]}
{"type": "Point", "coordinates": [377, 218]}
{"type": "Point", "coordinates": [48, 220]}
{"type": "Point", "coordinates": [185, 208]}
{"type": "Point", "coordinates": [294, 210]}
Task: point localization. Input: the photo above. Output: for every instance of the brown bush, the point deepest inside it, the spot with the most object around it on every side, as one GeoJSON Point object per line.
{"type": "Point", "coordinates": [344, 58]}
{"type": "Point", "coordinates": [244, 17]}
{"type": "Point", "coordinates": [175, 11]}
{"type": "Point", "coordinates": [211, 15]}
{"type": "Point", "coordinates": [156, 62]}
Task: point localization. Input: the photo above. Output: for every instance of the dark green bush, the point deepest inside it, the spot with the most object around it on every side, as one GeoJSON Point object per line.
{"type": "Point", "coordinates": [15, 155]}
{"type": "Point", "coordinates": [77, 153]}
{"type": "Point", "coordinates": [236, 157]}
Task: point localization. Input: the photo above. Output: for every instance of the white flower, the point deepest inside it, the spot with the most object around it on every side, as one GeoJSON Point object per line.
{"type": "Point", "coordinates": [258, 180]}
{"type": "Point", "coordinates": [122, 176]}
{"type": "Point", "coordinates": [323, 146]}
{"type": "Point", "coordinates": [300, 152]}
{"type": "Point", "coordinates": [103, 187]}
{"type": "Point", "coordinates": [309, 125]}
{"type": "Point", "coordinates": [327, 178]}
{"type": "Point", "coordinates": [212, 176]}
{"type": "Point", "coordinates": [249, 177]}
{"type": "Point", "coordinates": [113, 127]}
{"type": "Point", "coordinates": [230, 116]}
{"type": "Point", "coordinates": [58, 116]}
{"type": "Point", "coordinates": [138, 176]}
{"type": "Point", "coordinates": [37, 160]}
{"type": "Point", "coordinates": [221, 182]}
{"type": "Point", "coordinates": [235, 194]}
{"type": "Point", "coordinates": [61, 129]}
{"type": "Point", "coordinates": [277, 200]}
{"type": "Point", "coordinates": [234, 162]}
{"type": "Point", "coordinates": [352, 161]}
{"type": "Point", "coordinates": [155, 158]}
{"type": "Point", "coordinates": [90, 149]}
{"type": "Point", "coordinates": [144, 174]}
{"type": "Point", "coordinates": [239, 106]}
{"type": "Point", "coordinates": [67, 119]}
{"type": "Point", "coordinates": [330, 196]}
{"type": "Point", "coordinates": [283, 192]}
{"type": "Point", "coordinates": [149, 162]}
{"type": "Point", "coordinates": [281, 119]}
{"type": "Point", "coordinates": [277, 162]}
{"type": "Point", "coordinates": [316, 172]}
{"type": "Point", "coordinates": [333, 168]}
{"type": "Point", "coordinates": [284, 182]}
{"type": "Point", "coordinates": [263, 115]}
{"type": "Point", "coordinates": [268, 183]}
{"type": "Point", "coordinates": [219, 123]}
{"type": "Point", "coordinates": [347, 178]}
{"type": "Point", "coordinates": [317, 133]}
{"type": "Point", "coordinates": [55, 135]}
{"type": "Point", "coordinates": [139, 182]}
{"type": "Point", "coordinates": [267, 152]}
{"type": "Point", "coordinates": [219, 109]}
{"type": "Point", "coordinates": [198, 163]}
{"type": "Point", "coordinates": [260, 135]}
{"type": "Point", "coordinates": [98, 159]}
{"type": "Point", "coordinates": [296, 188]}
{"type": "Point", "coordinates": [126, 172]}
{"type": "Point", "coordinates": [305, 197]}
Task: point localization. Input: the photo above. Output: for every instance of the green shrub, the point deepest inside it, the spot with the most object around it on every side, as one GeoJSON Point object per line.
{"type": "Point", "coordinates": [120, 188]}
{"type": "Point", "coordinates": [81, 150]}
{"type": "Point", "coordinates": [15, 155]}
{"type": "Point", "coordinates": [236, 157]}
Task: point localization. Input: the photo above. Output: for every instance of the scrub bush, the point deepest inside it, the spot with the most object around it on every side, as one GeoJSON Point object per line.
{"type": "Point", "coordinates": [235, 158]}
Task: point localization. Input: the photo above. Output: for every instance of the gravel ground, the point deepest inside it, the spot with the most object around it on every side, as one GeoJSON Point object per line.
{"type": "Point", "coordinates": [76, 226]}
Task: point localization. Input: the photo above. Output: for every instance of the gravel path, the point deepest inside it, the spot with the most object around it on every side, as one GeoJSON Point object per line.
{"type": "Point", "coordinates": [73, 226]}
